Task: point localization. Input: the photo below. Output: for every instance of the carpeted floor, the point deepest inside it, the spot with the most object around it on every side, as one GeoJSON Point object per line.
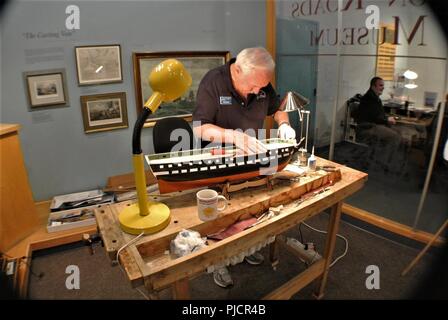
{"type": "Point", "coordinates": [100, 280]}
{"type": "Point", "coordinates": [397, 196]}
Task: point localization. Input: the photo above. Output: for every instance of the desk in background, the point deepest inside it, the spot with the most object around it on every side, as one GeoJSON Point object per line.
{"type": "Point", "coordinates": [415, 123]}
{"type": "Point", "coordinates": [411, 111]}
{"type": "Point", "coordinates": [149, 262]}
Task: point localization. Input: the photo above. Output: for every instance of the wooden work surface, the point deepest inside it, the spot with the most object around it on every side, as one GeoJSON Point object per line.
{"type": "Point", "coordinates": [149, 262]}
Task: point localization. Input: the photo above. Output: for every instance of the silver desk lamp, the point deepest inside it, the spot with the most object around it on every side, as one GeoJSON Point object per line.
{"type": "Point", "coordinates": [296, 102]}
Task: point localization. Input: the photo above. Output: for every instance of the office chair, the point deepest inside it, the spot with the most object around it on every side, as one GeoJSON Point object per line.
{"type": "Point", "coordinates": [351, 119]}
{"type": "Point", "coordinates": [165, 138]}
{"type": "Point", "coordinates": [360, 151]}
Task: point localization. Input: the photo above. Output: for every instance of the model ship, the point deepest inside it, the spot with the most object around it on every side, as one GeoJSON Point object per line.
{"type": "Point", "coordinates": [190, 169]}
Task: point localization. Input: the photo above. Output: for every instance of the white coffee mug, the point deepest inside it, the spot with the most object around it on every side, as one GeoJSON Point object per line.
{"type": "Point", "coordinates": [208, 204]}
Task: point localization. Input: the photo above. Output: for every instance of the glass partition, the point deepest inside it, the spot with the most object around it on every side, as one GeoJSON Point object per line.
{"type": "Point", "coordinates": [329, 52]}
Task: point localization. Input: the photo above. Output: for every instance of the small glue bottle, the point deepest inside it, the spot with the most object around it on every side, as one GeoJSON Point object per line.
{"type": "Point", "coordinates": [312, 161]}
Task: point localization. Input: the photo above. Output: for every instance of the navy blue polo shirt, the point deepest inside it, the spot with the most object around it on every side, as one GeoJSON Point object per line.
{"type": "Point", "coordinates": [218, 103]}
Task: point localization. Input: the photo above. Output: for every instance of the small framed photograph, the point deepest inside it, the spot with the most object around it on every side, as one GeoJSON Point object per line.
{"type": "Point", "coordinates": [46, 88]}
{"type": "Point", "coordinates": [98, 64]}
{"type": "Point", "coordinates": [104, 112]}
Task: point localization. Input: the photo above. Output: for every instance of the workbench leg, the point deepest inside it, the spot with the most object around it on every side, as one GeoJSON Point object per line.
{"type": "Point", "coordinates": [274, 254]}
{"type": "Point", "coordinates": [181, 290]}
{"type": "Point", "coordinates": [333, 226]}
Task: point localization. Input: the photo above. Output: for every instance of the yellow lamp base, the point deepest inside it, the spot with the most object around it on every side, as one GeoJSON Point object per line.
{"type": "Point", "coordinates": [132, 222]}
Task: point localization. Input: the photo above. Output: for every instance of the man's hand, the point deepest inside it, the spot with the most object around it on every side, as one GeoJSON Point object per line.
{"type": "Point", "coordinates": [286, 132]}
{"type": "Point", "coordinates": [391, 120]}
{"type": "Point", "coordinates": [248, 144]}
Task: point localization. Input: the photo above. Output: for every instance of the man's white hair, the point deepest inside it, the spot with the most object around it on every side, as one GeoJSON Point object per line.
{"type": "Point", "coordinates": [255, 58]}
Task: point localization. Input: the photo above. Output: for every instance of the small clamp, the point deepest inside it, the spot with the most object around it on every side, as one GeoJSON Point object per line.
{"type": "Point", "coordinates": [89, 240]}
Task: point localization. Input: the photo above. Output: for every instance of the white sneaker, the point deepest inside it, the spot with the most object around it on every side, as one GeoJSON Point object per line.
{"type": "Point", "coordinates": [222, 277]}
{"type": "Point", "coordinates": [255, 259]}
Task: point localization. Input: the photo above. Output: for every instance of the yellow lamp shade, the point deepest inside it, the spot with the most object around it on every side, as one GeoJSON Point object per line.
{"type": "Point", "coordinates": [170, 79]}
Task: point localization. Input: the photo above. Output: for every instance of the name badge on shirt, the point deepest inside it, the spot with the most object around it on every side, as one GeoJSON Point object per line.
{"type": "Point", "coordinates": [225, 101]}
{"type": "Point", "coordinates": [261, 95]}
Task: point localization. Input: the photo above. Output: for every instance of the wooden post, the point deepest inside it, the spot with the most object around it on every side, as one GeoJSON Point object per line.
{"type": "Point", "coordinates": [274, 254]}
{"type": "Point", "coordinates": [181, 290]}
{"type": "Point", "coordinates": [333, 226]}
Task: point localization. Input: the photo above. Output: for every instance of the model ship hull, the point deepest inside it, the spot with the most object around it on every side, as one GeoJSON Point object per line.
{"type": "Point", "coordinates": [192, 169]}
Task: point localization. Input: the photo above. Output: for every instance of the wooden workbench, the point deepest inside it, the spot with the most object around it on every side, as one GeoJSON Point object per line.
{"type": "Point", "coordinates": [149, 262]}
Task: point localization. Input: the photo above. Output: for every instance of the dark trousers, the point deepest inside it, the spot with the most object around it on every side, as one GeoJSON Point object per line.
{"type": "Point", "coordinates": [387, 144]}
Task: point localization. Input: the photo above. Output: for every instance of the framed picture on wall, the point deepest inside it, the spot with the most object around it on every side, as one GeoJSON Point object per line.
{"type": "Point", "coordinates": [103, 112]}
{"type": "Point", "coordinates": [98, 64]}
{"type": "Point", "coordinates": [197, 64]}
{"type": "Point", "coordinates": [46, 88]}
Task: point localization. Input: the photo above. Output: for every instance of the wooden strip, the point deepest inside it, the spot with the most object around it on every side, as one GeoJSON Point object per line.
{"type": "Point", "coordinates": [55, 239]}
{"type": "Point", "coordinates": [391, 225]}
{"type": "Point", "coordinates": [294, 285]}
{"type": "Point", "coordinates": [6, 128]}
{"type": "Point", "coordinates": [41, 239]}
{"type": "Point", "coordinates": [126, 182]}
{"type": "Point", "coordinates": [137, 264]}
{"type": "Point", "coordinates": [420, 255]}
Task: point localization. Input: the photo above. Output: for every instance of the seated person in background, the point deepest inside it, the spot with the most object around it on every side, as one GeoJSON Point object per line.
{"type": "Point", "coordinates": [374, 127]}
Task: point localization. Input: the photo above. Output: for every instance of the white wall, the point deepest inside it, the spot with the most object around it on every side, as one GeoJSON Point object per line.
{"type": "Point", "coordinates": [356, 71]}
{"type": "Point", "coordinates": [60, 158]}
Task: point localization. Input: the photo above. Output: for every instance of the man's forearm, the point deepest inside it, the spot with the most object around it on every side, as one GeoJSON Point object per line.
{"type": "Point", "coordinates": [281, 117]}
{"type": "Point", "coordinates": [213, 133]}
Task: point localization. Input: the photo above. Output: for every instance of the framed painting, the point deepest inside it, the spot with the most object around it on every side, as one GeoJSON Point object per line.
{"type": "Point", "coordinates": [46, 88]}
{"type": "Point", "coordinates": [197, 64]}
{"type": "Point", "coordinates": [103, 112]}
{"type": "Point", "coordinates": [98, 64]}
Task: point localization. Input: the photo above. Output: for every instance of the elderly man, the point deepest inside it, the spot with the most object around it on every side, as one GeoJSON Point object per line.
{"type": "Point", "coordinates": [234, 99]}
{"type": "Point", "coordinates": [231, 104]}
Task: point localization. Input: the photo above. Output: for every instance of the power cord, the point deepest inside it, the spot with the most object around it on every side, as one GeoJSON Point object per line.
{"type": "Point", "coordinates": [338, 235]}
{"type": "Point", "coordinates": [143, 294]}
{"type": "Point", "coordinates": [117, 260]}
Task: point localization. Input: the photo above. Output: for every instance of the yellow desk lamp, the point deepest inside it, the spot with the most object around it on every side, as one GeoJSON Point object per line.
{"type": "Point", "coordinates": [169, 80]}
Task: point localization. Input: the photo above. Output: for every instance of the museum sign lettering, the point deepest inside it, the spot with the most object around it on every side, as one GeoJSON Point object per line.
{"type": "Point", "coordinates": [413, 33]}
